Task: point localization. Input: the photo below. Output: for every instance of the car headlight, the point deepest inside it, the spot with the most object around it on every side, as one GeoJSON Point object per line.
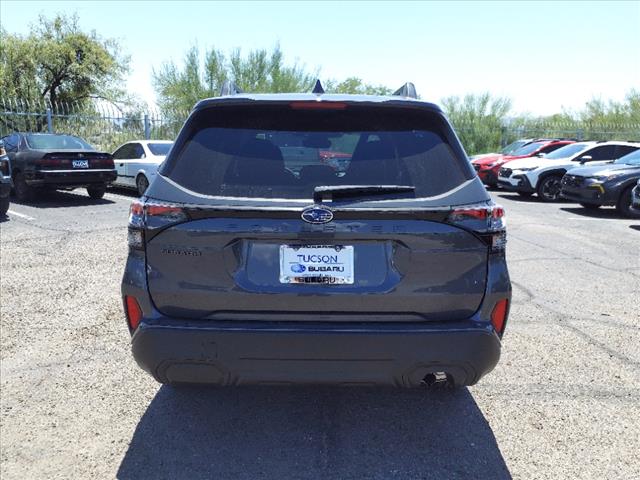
{"type": "Point", "coordinates": [604, 178]}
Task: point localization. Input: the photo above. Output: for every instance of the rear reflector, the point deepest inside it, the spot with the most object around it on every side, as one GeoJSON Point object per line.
{"type": "Point", "coordinates": [499, 315]}
{"type": "Point", "coordinates": [134, 313]}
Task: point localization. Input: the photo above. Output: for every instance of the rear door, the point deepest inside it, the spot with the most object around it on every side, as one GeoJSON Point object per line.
{"type": "Point", "coordinates": [250, 243]}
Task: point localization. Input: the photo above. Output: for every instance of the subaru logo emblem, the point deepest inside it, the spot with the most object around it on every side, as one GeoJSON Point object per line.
{"type": "Point", "coordinates": [317, 215]}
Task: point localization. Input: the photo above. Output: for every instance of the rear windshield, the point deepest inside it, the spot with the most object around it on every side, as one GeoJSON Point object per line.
{"type": "Point", "coordinates": [57, 142]}
{"type": "Point", "coordinates": [280, 152]}
{"type": "Point", "coordinates": [159, 148]}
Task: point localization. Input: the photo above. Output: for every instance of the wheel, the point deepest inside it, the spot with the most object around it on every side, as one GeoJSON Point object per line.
{"type": "Point", "coordinates": [4, 206]}
{"type": "Point", "coordinates": [97, 191]}
{"type": "Point", "coordinates": [590, 206]}
{"type": "Point", "coordinates": [23, 192]}
{"type": "Point", "coordinates": [525, 194]}
{"type": "Point", "coordinates": [549, 188]}
{"type": "Point", "coordinates": [142, 184]}
{"type": "Point", "coordinates": [624, 204]}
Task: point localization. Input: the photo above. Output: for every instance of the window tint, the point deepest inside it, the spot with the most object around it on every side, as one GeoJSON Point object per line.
{"type": "Point", "coordinates": [622, 150]}
{"type": "Point", "coordinates": [56, 142]}
{"type": "Point", "coordinates": [129, 151]}
{"type": "Point", "coordinates": [278, 152]}
{"type": "Point", "coordinates": [604, 152]}
{"type": "Point", "coordinates": [159, 148]}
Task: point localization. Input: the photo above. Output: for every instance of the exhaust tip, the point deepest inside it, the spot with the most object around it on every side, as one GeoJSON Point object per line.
{"type": "Point", "coordinates": [440, 379]}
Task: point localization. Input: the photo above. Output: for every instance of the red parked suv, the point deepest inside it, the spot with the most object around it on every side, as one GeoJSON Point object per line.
{"type": "Point", "coordinates": [487, 168]}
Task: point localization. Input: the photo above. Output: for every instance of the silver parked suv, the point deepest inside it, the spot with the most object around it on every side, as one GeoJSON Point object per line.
{"type": "Point", "coordinates": [314, 238]}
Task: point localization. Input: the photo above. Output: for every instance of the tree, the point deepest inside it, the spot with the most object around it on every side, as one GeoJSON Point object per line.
{"type": "Point", "coordinates": [261, 71]}
{"type": "Point", "coordinates": [478, 120]}
{"type": "Point", "coordinates": [355, 85]}
{"type": "Point", "coordinates": [59, 63]}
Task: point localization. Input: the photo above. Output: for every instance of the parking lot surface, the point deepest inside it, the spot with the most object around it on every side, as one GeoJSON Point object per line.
{"type": "Point", "coordinates": [564, 401]}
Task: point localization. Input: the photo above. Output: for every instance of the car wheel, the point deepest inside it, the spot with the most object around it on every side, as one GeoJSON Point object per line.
{"type": "Point", "coordinates": [142, 184]}
{"type": "Point", "coordinates": [590, 206]}
{"type": "Point", "coordinates": [549, 188]}
{"type": "Point", "coordinates": [525, 194]}
{"type": "Point", "coordinates": [624, 204]}
{"type": "Point", "coordinates": [23, 192]}
{"type": "Point", "coordinates": [97, 192]}
{"type": "Point", "coordinates": [4, 206]}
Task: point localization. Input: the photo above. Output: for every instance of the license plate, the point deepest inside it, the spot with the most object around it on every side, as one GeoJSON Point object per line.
{"type": "Point", "coordinates": [80, 164]}
{"type": "Point", "coordinates": [316, 264]}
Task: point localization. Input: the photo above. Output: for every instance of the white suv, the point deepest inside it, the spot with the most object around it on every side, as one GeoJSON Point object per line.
{"type": "Point", "coordinates": [542, 175]}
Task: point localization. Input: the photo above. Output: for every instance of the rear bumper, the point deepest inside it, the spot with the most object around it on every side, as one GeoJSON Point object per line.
{"type": "Point", "coordinates": [70, 177]}
{"type": "Point", "coordinates": [234, 353]}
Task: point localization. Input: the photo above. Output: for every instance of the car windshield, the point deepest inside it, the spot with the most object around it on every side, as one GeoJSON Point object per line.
{"type": "Point", "coordinates": [529, 149]}
{"type": "Point", "coordinates": [159, 149]}
{"type": "Point", "coordinates": [567, 151]}
{"type": "Point", "coordinates": [512, 147]}
{"type": "Point", "coordinates": [284, 153]}
{"type": "Point", "coordinates": [632, 158]}
{"type": "Point", "coordinates": [56, 142]}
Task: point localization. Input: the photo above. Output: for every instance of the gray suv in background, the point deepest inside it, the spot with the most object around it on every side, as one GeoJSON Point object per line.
{"type": "Point", "coordinates": [254, 259]}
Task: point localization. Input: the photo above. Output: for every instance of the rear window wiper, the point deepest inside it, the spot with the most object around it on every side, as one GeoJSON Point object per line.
{"type": "Point", "coordinates": [329, 192]}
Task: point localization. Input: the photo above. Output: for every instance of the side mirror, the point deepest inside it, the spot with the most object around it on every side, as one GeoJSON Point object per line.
{"type": "Point", "coordinates": [585, 159]}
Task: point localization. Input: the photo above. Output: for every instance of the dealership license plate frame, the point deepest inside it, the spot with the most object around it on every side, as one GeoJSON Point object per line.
{"type": "Point", "coordinates": [295, 270]}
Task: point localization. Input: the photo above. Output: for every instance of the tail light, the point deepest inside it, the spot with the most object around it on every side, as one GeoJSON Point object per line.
{"type": "Point", "coordinates": [133, 311]}
{"type": "Point", "coordinates": [149, 216]}
{"type": "Point", "coordinates": [486, 220]}
{"type": "Point", "coordinates": [499, 315]}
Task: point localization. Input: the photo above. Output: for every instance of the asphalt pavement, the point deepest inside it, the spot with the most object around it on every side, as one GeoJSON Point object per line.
{"type": "Point", "coordinates": [564, 401]}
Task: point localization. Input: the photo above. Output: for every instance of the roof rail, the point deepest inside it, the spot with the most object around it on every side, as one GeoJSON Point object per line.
{"type": "Point", "coordinates": [406, 90]}
{"type": "Point", "coordinates": [230, 88]}
{"type": "Point", "coordinates": [317, 88]}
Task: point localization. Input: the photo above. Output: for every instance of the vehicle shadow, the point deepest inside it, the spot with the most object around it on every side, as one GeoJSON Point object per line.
{"type": "Point", "coordinates": [319, 432]}
{"type": "Point", "coordinates": [127, 192]}
{"type": "Point", "coordinates": [635, 227]}
{"type": "Point", "coordinates": [61, 199]}
{"type": "Point", "coordinates": [532, 199]}
{"type": "Point", "coordinates": [597, 213]}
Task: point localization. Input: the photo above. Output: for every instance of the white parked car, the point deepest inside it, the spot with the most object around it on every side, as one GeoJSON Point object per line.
{"type": "Point", "coordinates": [542, 175]}
{"type": "Point", "coordinates": [137, 162]}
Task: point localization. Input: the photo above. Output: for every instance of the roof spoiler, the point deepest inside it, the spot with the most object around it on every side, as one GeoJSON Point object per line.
{"type": "Point", "coordinates": [406, 90]}
{"type": "Point", "coordinates": [230, 88]}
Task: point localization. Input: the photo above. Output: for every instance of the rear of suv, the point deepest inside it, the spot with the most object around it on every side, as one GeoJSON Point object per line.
{"type": "Point", "coordinates": [255, 263]}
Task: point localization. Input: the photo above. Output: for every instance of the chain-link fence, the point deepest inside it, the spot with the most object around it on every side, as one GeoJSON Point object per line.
{"type": "Point", "coordinates": [106, 125]}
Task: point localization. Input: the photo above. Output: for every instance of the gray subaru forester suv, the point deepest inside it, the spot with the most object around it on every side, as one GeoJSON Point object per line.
{"type": "Point", "coordinates": [316, 238]}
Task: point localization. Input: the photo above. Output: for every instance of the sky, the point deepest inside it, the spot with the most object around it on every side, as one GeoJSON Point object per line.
{"type": "Point", "coordinates": [545, 56]}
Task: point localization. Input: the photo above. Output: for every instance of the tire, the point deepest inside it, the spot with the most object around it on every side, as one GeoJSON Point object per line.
{"type": "Point", "coordinates": [549, 188]}
{"type": "Point", "coordinates": [590, 206]}
{"type": "Point", "coordinates": [4, 206]}
{"type": "Point", "coordinates": [22, 191]}
{"type": "Point", "coordinates": [525, 194]}
{"type": "Point", "coordinates": [97, 191]}
{"type": "Point", "coordinates": [624, 204]}
{"type": "Point", "coordinates": [142, 184]}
